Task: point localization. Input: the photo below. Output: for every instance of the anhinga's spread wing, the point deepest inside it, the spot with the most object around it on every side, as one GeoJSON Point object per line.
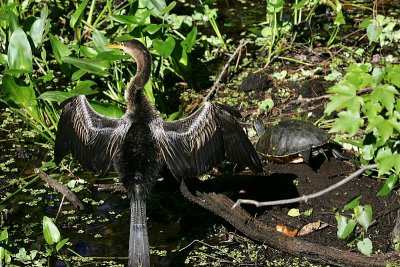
{"type": "Point", "coordinates": [203, 140]}
{"type": "Point", "coordinates": [91, 138]}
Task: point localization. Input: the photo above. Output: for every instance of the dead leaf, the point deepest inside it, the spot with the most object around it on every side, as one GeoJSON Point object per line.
{"type": "Point", "coordinates": [312, 227]}
{"type": "Point", "coordinates": [285, 230]}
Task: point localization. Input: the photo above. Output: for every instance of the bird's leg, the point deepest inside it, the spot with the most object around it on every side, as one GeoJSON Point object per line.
{"type": "Point", "coordinates": [138, 238]}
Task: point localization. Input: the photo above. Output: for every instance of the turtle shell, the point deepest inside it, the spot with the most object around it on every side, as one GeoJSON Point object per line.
{"type": "Point", "coordinates": [291, 139]}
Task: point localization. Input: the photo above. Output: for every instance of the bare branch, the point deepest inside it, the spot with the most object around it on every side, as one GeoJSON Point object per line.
{"type": "Point", "coordinates": [224, 70]}
{"type": "Point", "coordinates": [60, 188]}
{"type": "Point", "coordinates": [305, 198]}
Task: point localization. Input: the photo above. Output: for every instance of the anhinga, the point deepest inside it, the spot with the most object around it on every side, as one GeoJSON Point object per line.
{"type": "Point", "coordinates": [139, 143]}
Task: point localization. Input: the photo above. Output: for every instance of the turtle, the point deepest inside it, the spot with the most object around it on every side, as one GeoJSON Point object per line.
{"type": "Point", "coordinates": [291, 140]}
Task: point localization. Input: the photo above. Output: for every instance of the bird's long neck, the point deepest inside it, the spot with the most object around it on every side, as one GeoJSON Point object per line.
{"type": "Point", "coordinates": [136, 85]}
{"type": "Point", "coordinates": [138, 238]}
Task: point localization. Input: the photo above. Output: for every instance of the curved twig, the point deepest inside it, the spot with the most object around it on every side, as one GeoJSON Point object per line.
{"type": "Point", "coordinates": [216, 83]}
{"type": "Point", "coordinates": [305, 198]}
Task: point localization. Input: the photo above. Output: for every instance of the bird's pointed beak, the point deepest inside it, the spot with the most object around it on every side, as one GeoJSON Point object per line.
{"type": "Point", "coordinates": [119, 46]}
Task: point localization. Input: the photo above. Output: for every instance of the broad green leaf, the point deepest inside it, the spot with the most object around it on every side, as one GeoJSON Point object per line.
{"type": "Point", "coordinates": [112, 56]}
{"type": "Point", "coordinates": [12, 19]}
{"type": "Point", "coordinates": [175, 115]}
{"type": "Point", "coordinates": [83, 88]}
{"type": "Point", "coordinates": [364, 24]}
{"type": "Point", "coordinates": [132, 20]}
{"type": "Point", "coordinates": [164, 48]}
{"type": "Point", "coordinates": [381, 128]}
{"type": "Point", "coordinates": [386, 161]}
{"type": "Point", "coordinates": [392, 75]}
{"type": "Point", "coordinates": [345, 97]}
{"type": "Point", "coordinates": [55, 96]}
{"type": "Point", "coordinates": [50, 231]}
{"type": "Point", "coordinates": [385, 94]}
{"type": "Point", "coordinates": [348, 122]}
{"type": "Point", "coordinates": [364, 216]}
{"type": "Point", "coordinates": [20, 96]}
{"type": "Point", "coordinates": [190, 40]}
{"type": "Point", "coordinates": [61, 244]}
{"type": "Point", "coordinates": [345, 226]}
{"type": "Point", "coordinates": [76, 17]}
{"type": "Point", "coordinates": [89, 52]}
{"type": "Point", "coordinates": [365, 246]}
{"type": "Point", "coordinates": [37, 28]}
{"type": "Point", "coordinates": [60, 50]}
{"type": "Point", "coordinates": [389, 184]}
{"type": "Point", "coordinates": [372, 108]}
{"type": "Point", "coordinates": [377, 75]}
{"type": "Point", "coordinates": [353, 203]}
{"type": "Point", "coordinates": [98, 67]}
{"type": "Point", "coordinates": [78, 74]}
{"type": "Point", "coordinates": [148, 91]}
{"type": "Point", "coordinates": [153, 28]}
{"type": "Point", "coordinates": [107, 109]}
{"type": "Point", "coordinates": [99, 39]}
{"type": "Point", "coordinates": [168, 8]}
{"type": "Point", "coordinates": [156, 6]}
{"type": "Point", "coordinates": [3, 235]}
{"type": "Point", "coordinates": [368, 151]}
{"type": "Point", "coordinates": [374, 30]}
{"type": "Point", "coordinates": [19, 52]}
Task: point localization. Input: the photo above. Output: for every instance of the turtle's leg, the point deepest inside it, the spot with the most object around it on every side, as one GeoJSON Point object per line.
{"type": "Point", "coordinates": [322, 151]}
{"type": "Point", "coordinates": [337, 154]}
{"type": "Point", "coordinates": [306, 155]}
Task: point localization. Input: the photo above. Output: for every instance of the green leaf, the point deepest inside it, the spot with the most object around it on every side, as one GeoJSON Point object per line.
{"type": "Point", "coordinates": [99, 39]}
{"type": "Point", "coordinates": [381, 128]}
{"type": "Point", "coordinates": [4, 235]}
{"type": "Point", "coordinates": [345, 97]}
{"type": "Point", "coordinates": [168, 8]}
{"type": "Point", "coordinates": [78, 74]}
{"type": "Point", "coordinates": [76, 17]}
{"type": "Point", "coordinates": [20, 96]}
{"type": "Point", "coordinates": [37, 28]}
{"type": "Point", "coordinates": [190, 40]}
{"type": "Point", "coordinates": [388, 186]}
{"type": "Point", "coordinates": [156, 6]}
{"type": "Point", "coordinates": [60, 50]}
{"type": "Point", "coordinates": [365, 246]}
{"type": "Point", "coordinates": [61, 244]}
{"type": "Point", "coordinates": [19, 52]}
{"type": "Point", "coordinates": [55, 96]}
{"type": "Point", "coordinates": [153, 28]}
{"type": "Point", "coordinates": [148, 91]}
{"type": "Point", "coordinates": [12, 18]}
{"type": "Point", "coordinates": [50, 231]}
{"type": "Point", "coordinates": [348, 122]}
{"type": "Point", "coordinates": [386, 161]}
{"type": "Point", "coordinates": [364, 216]}
{"type": "Point", "coordinates": [392, 75]}
{"type": "Point", "coordinates": [98, 67]}
{"type": "Point", "coordinates": [132, 20]}
{"type": "Point", "coordinates": [353, 203]}
{"type": "Point", "coordinates": [374, 30]}
{"type": "Point", "coordinates": [164, 48]}
{"type": "Point", "coordinates": [107, 109]}
{"type": "Point", "coordinates": [83, 88]}
{"type": "Point", "coordinates": [345, 226]}
{"type": "Point", "coordinates": [385, 94]}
